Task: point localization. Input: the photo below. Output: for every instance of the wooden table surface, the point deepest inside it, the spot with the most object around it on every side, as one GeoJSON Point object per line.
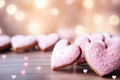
{"type": "Point", "coordinates": [16, 66]}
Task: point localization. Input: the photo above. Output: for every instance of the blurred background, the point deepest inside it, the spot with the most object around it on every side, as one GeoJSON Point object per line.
{"type": "Point", "coordinates": [35, 17]}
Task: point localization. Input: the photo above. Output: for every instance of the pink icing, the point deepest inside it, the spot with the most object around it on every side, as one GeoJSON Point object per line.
{"type": "Point", "coordinates": [113, 40]}
{"type": "Point", "coordinates": [96, 37]}
{"type": "Point", "coordinates": [45, 41]}
{"type": "Point", "coordinates": [64, 54]}
{"type": "Point", "coordinates": [21, 41]}
{"type": "Point", "coordinates": [82, 42]}
{"type": "Point", "coordinates": [4, 39]}
{"type": "Point", "coordinates": [103, 60]}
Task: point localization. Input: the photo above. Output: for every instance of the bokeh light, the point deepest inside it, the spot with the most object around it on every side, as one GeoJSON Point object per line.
{"type": "Point", "coordinates": [19, 16]}
{"type": "Point", "coordinates": [54, 11]}
{"type": "Point", "coordinates": [0, 31]}
{"type": "Point", "coordinates": [40, 3]}
{"type": "Point", "coordinates": [114, 20]}
{"type": "Point", "coordinates": [88, 3]}
{"type": "Point", "coordinates": [69, 1]}
{"type": "Point", "coordinates": [11, 9]}
{"type": "Point", "coordinates": [79, 29]}
{"type": "Point", "coordinates": [98, 19]}
{"type": "Point", "coordinates": [2, 3]}
{"type": "Point", "coordinates": [34, 27]}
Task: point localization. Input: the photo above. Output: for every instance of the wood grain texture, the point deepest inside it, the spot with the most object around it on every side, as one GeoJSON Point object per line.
{"type": "Point", "coordinates": [14, 63]}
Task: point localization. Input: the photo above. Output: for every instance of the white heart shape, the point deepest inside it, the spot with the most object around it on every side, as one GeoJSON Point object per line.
{"type": "Point", "coordinates": [114, 76]}
{"type": "Point", "coordinates": [85, 70]}
{"type": "Point", "coordinates": [4, 56]}
{"type": "Point", "coordinates": [38, 68]}
{"type": "Point", "coordinates": [23, 72]}
{"type": "Point", "coordinates": [26, 58]}
{"type": "Point", "coordinates": [25, 63]}
{"type": "Point", "coordinates": [13, 76]}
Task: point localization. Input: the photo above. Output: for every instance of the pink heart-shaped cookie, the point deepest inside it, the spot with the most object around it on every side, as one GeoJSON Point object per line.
{"type": "Point", "coordinates": [22, 43]}
{"type": "Point", "coordinates": [46, 42]}
{"type": "Point", "coordinates": [82, 42]}
{"type": "Point", "coordinates": [64, 54]}
{"type": "Point", "coordinates": [4, 42]}
{"type": "Point", "coordinates": [101, 59]}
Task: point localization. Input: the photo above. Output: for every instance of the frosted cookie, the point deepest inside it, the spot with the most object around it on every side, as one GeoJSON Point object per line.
{"type": "Point", "coordinates": [4, 42]}
{"type": "Point", "coordinates": [22, 43]}
{"type": "Point", "coordinates": [102, 60]}
{"type": "Point", "coordinates": [47, 42]}
{"type": "Point", "coordinates": [96, 37]}
{"type": "Point", "coordinates": [82, 42]}
{"type": "Point", "coordinates": [64, 54]}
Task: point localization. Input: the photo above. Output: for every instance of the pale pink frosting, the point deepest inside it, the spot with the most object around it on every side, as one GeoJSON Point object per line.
{"type": "Point", "coordinates": [101, 59]}
{"type": "Point", "coordinates": [4, 39]}
{"type": "Point", "coordinates": [64, 54]}
{"type": "Point", "coordinates": [82, 42]}
{"type": "Point", "coordinates": [96, 37]}
{"type": "Point", "coordinates": [45, 41]}
{"type": "Point", "coordinates": [21, 41]}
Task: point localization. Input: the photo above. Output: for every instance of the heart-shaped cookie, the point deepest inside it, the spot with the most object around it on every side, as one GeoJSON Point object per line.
{"type": "Point", "coordinates": [47, 42]}
{"type": "Point", "coordinates": [4, 42]}
{"type": "Point", "coordinates": [101, 59]}
{"type": "Point", "coordinates": [64, 54]}
{"type": "Point", "coordinates": [82, 42]}
{"type": "Point", "coordinates": [22, 43]}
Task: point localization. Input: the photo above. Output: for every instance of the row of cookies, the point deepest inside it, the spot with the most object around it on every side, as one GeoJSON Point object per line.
{"type": "Point", "coordinates": [101, 51]}
{"type": "Point", "coordinates": [22, 43]}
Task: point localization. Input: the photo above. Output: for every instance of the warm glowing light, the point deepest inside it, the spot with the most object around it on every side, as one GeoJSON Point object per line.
{"type": "Point", "coordinates": [69, 1]}
{"type": "Point", "coordinates": [54, 11]}
{"type": "Point", "coordinates": [98, 19]}
{"type": "Point", "coordinates": [40, 3]}
{"type": "Point", "coordinates": [88, 3]}
{"type": "Point", "coordinates": [80, 30]}
{"type": "Point", "coordinates": [19, 16]}
{"type": "Point", "coordinates": [34, 27]}
{"type": "Point", "coordinates": [114, 20]}
{"type": "Point", "coordinates": [11, 9]}
{"type": "Point", "coordinates": [2, 3]}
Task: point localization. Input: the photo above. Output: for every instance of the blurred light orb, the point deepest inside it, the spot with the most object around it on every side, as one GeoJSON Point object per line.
{"type": "Point", "coordinates": [79, 29]}
{"type": "Point", "coordinates": [19, 16]}
{"type": "Point", "coordinates": [98, 19]}
{"type": "Point", "coordinates": [88, 3]}
{"type": "Point", "coordinates": [69, 1]}
{"type": "Point", "coordinates": [54, 11]}
{"type": "Point", "coordinates": [2, 3]}
{"type": "Point", "coordinates": [114, 20]}
{"type": "Point", "coordinates": [11, 9]}
{"type": "Point", "coordinates": [40, 3]}
{"type": "Point", "coordinates": [34, 27]}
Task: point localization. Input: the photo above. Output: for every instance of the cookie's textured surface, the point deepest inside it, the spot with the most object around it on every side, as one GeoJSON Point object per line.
{"type": "Point", "coordinates": [101, 59]}
{"type": "Point", "coordinates": [45, 42]}
{"type": "Point", "coordinates": [21, 43]}
{"type": "Point", "coordinates": [64, 55]}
